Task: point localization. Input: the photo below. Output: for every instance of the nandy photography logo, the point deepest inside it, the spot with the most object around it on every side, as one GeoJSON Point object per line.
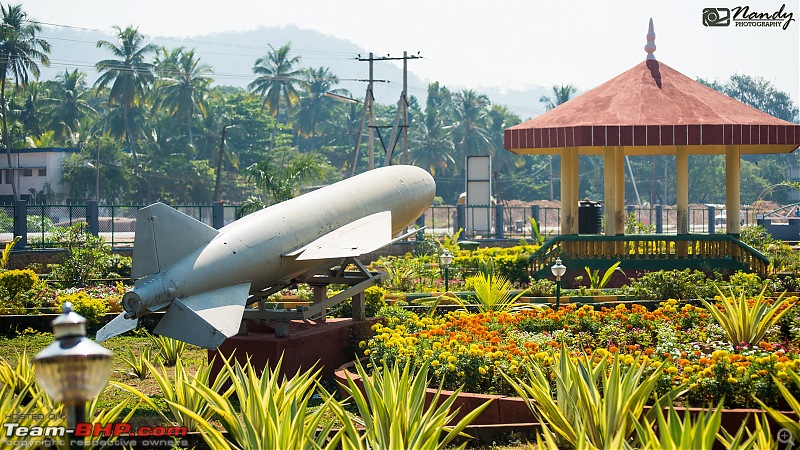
{"type": "Point", "coordinates": [743, 16]}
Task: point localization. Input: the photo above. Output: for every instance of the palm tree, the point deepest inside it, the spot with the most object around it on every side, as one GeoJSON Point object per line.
{"type": "Point", "coordinates": [129, 75]}
{"type": "Point", "coordinates": [68, 103]}
{"type": "Point", "coordinates": [185, 89]}
{"type": "Point", "coordinates": [316, 106]}
{"type": "Point", "coordinates": [276, 82]}
{"type": "Point", "coordinates": [560, 96]}
{"type": "Point", "coordinates": [20, 50]}
{"type": "Point", "coordinates": [470, 124]}
{"type": "Point", "coordinates": [281, 182]}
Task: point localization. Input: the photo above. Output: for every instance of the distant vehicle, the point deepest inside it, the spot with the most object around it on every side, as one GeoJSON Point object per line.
{"type": "Point", "coordinates": [722, 219]}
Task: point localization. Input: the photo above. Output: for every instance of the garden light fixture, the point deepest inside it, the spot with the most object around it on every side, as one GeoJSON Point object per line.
{"type": "Point", "coordinates": [445, 259]}
{"type": "Point", "coordinates": [558, 270]}
{"type": "Point", "coordinates": [73, 369]}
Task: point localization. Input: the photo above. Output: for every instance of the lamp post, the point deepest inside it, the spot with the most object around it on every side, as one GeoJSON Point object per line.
{"type": "Point", "coordinates": [558, 270]}
{"type": "Point", "coordinates": [96, 167]}
{"type": "Point", "coordinates": [73, 369]}
{"type": "Point", "coordinates": [445, 259]}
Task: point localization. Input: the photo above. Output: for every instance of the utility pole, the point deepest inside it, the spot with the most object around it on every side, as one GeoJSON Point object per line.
{"type": "Point", "coordinates": [402, 111]}
{"type": "Point", "coordinates": [219, 161]}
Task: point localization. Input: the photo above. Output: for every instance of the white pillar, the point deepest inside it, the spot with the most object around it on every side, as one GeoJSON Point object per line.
{"type": "Point", "coordinates": [682, 191]}
{"type": "Point", "coordinates": [574, 189]}
{"type": "Point", "coordinates": [567, 213]}
{"type": "Point", "coordinates": [619, 195]}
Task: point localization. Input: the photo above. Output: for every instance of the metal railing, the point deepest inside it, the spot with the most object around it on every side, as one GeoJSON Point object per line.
{"type": "Point", "coordinates": [117, 223]}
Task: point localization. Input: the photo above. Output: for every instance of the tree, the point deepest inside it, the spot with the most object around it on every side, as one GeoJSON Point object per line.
{"type": "Point", "coordinates": [561, 95]}
{"type": "Point", "coordinates": [758, 93]}
{"type": "Point", "coordinates": [470, 124]}
{"type": "Point", "coordinates": [185, 88]}
{"type": "Point", "coordinates": [20, 50]}
{"type": "Point", "coordinates": [280, 182]}
{"type": "Point", "coordinates": [129, 76]}
{"type": "Point", "coordinates": [316, 107]}
{"type": "Point", "coordinates": [68, 104]}
{"type": "Point", "coordinates": [276, 82]}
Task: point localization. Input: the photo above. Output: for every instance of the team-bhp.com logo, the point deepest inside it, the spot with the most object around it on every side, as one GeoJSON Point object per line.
{"type": "Point", "coordinates": [742, 16]}
{"type": "Point", "coordinates": [22, 436]}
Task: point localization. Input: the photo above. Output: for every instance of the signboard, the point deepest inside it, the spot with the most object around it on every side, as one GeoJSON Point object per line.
{"type": "Point", "coordinates": [479, 195]}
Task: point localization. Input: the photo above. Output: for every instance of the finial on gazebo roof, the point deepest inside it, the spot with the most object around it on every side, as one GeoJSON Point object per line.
{"type": "Point", "coordinates": [651, 42]}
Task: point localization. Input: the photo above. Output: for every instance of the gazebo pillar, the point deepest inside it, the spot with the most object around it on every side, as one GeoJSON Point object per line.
{"type": "Point", "coordinates": [619, 196]}
{"type": "Point", "coordinates": [575, 187]}
{"type": "Point", "coordinates": [732, 189]}
{"type": "Point", "coordinates": [682, 191]}
{"type": "Point", "coordinates": [567, 207]}
{"type": "Point", "coordinates": [609, 196]}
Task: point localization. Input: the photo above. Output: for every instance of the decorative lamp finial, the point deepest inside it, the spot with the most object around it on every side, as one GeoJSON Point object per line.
{"type": "Point", "coordinates": [651, 42]}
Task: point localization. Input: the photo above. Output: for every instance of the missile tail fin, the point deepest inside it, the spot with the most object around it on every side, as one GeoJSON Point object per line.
{"type": "Point", "coordinates": [163, 236]}
{"type": "Point", "coordinates": [205, 319]}
{"type": "Point", "coordinates": [117, 326]}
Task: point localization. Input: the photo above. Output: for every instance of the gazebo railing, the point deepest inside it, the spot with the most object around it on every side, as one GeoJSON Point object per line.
{"type": "Point", "coordinates": [649, 252]}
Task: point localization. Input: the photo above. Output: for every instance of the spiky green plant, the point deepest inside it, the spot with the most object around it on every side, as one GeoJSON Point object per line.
{"type": "Point", "coordinates": [493, 293]}
{"type": "Point", "coordinates": [169, 349]}
{"type": "Point", "coordinates": [596, 282]}
{"type": "Point", "coordinates": [136, 363]}
{"type": "Point", "coordinates": [180, 389]}
{"type": "Point", "coordinates": [599, 400]}
{"type": "Point", "coordinates": [269, 411]}
{"type": "Point", "coordinates": [789, 423]}
{"type": "Point", "coordinates": [744, 323]}
{"type": "Point", "coordinates": [17, 376]}
{"type": "Point", "coordinates": [674, 432]}
{"type": "Point", "coordinates": [759, 437]}
{"type": "Point", "coordinates": [392, 411]}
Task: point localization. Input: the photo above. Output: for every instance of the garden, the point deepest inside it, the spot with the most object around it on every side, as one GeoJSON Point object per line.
{"type": "Point", "coordinates": [662, 369]}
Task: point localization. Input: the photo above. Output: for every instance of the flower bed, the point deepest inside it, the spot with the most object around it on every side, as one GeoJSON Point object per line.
{"type": "Point", "coordinates": [680, 340]}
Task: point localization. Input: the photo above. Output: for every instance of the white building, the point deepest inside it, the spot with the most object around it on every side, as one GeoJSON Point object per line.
{"type": "Point", "coordinates": [35, 169]}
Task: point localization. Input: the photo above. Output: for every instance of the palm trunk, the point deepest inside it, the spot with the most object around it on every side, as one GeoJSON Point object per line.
{"type": "Point", "coordinates": [6, 141]}
{"type": "Point", "coordinates": [129, 137]}
{"type": "Point", "coordinates": [274, 127]}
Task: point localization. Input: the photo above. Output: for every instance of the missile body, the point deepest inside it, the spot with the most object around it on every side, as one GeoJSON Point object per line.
{"type": "Point", "coordinates": [204, 276]}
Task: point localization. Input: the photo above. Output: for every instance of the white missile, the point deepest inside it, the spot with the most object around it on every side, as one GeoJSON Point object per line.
{"type": "Point", "coordinates": [203, 277]}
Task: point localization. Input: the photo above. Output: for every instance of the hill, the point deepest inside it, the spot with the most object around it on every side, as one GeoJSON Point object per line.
{"type": "Point", "coordinates": [233, 54]}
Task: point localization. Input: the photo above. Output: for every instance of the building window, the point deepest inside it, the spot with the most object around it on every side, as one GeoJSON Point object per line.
{"type": "Point", "coordinates": [9, 176]}
{"type": "Point", "coordinates": [42, 172]}
{"type": "Point", "coordinates": [27, 172]}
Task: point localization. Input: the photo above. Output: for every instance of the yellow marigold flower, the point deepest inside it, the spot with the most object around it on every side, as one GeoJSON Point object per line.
{"type": "Point", "coordinates": [435, 363]}
{"type": "Point", "coordinates": [482, 370]}
{"type": "Point", "coordinates": [451, 367]}
{"type": "Point", "coordinates": [672, 370]}
{"type": "Point", "coordinates": [694, 386]}
{"type": "Point", "coordinates": [367, 351]}
{"type": "Point", "coordinates": [362, 344]}
{"type": "Point", "coordinates": [782, 375]}
{"type": "Point", "coordinates": [780, 366]}
{"type": "Point", "coordinates": [688, 369]}
{"type": "Point", "coordinates": [452, 359]}
{"type": "Point", "coordinates": [732, 380]}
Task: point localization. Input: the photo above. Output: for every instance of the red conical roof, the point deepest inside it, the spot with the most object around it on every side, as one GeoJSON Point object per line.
{"type": "Point", "coordinates": [649, 105]}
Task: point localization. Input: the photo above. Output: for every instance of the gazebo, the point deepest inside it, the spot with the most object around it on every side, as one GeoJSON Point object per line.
{"type": "Point", "coordinates": [651, 109]}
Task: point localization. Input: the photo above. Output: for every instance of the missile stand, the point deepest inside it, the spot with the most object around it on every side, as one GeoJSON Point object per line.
{"type": "Point", "coordinates": [358, 280]}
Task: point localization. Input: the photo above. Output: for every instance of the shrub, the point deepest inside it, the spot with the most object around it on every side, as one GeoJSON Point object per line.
{"type": "Point", "coordinates": [374, 301]}
{"type": "Point", "coordinates": [87, 257]}
{"type": "Point", "coordinates": [18, 281]}
{"type": "Point", "coordinates": [93, 309]}
{"type": "Point", "coordinates": [672, 284]}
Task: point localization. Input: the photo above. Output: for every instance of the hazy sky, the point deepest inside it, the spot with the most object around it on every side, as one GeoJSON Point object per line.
{"type": "Point", "coordinates": [511, 44]}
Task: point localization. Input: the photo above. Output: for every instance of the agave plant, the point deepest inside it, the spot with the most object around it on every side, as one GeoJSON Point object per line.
{"type": "Point", "coordinates": [493, 293]}
{"type": "Point", "coordinates": [269, 411]}
{"type": "Point", "coordinates": [180, 389]}
{"type": "Point", "coordinates": [742, 322]}
{"type": "Point", "coordinates": [789, 423]}
{"type": "Point", "coordinates": [595, 403]}
{"type": "Point", "coordinates": [137, 363]}
{"type": "Point", "coordinates": [169, 349]}
{"type": "Point", "coordinates": [676, 433]}
{"type": "Point", "coordinates": [758, 438]}
{"type": "Point", "coordinates": [392, 412]}
{"type": "Point", "coordinates": [19, 377]}
{"type": "Point", "coordinates": [596, 282]}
